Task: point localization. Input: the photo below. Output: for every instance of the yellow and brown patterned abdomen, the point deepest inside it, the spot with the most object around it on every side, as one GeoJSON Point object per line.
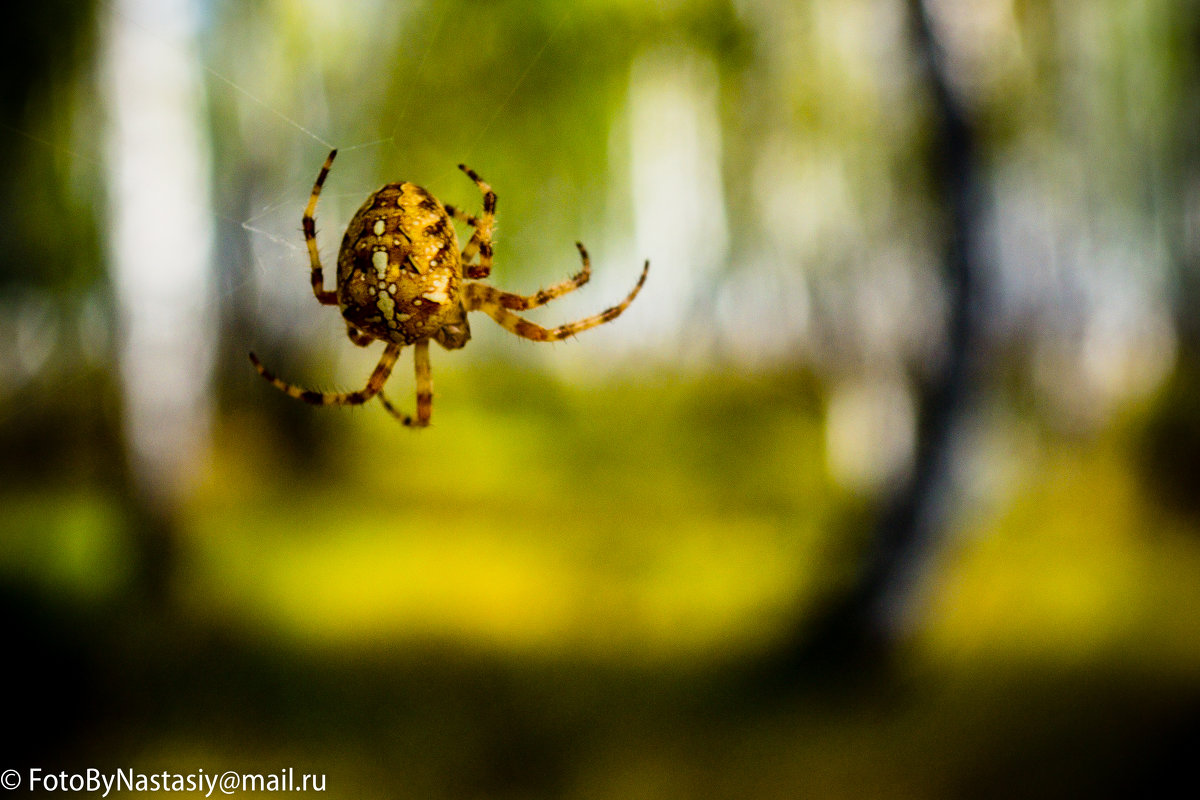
{"type": "Point", "coordinates": [399, 273]}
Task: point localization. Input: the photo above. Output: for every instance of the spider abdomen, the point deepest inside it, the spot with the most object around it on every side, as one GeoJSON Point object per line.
{"type": "Point", "coordinates": [399, 270]}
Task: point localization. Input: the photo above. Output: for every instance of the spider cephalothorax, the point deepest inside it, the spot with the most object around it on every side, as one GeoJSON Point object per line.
{"type": "Point", "coordinates": [402, 279]}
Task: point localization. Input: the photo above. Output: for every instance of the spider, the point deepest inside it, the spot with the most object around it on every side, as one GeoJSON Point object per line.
{"type": "Point", "coordinates": [400, 279]}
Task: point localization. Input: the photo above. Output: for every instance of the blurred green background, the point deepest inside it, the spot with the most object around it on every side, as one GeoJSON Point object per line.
{"type": "Point", "coordinates": [886, 485]}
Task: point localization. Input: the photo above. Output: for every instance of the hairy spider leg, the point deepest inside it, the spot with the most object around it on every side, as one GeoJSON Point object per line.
{"type": "Point", "coordinates": [476, 297]}
{"type": "Point", "coordinates": [309, 223]}
{"type": "Point", "coordinates": [489, 295]}
{"type": "Point", "coordinates": [374, 383]}
{"type": "Point", "coordinates": [481, 240]}
{"type": "Point", "coordinates": [424, 389]}
{"type": "Point", "coordinates": [462, 216]}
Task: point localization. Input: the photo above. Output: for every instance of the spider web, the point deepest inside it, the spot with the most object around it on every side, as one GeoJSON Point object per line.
{"type": "Point", "coordinates": [351, 110]}
{"type": "Point", "coordinates": [243, 120]}
{"type": "Point", "coordinates": [259, 260]}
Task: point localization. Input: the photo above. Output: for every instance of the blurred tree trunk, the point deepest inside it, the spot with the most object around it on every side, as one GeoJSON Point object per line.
{"type": "Point", "coordinates": [158, 174]}
{"type": "Point", "coordinates": [859, 625]}
{"type": "Point", "coordinates": [1185, 188]}
{"type": "Point", "coordinates": [1171, 448]}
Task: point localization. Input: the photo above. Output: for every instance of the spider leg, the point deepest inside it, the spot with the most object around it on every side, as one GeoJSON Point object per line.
{"type": "Point", "coordinates": [309, 223]}
{"type": "Point", "coordinates": [481, 241]}
{"type": "Point", "coordinates": [358, 337]}
{"type": "Point", "coordinates": [424, 390]}
{"type": "Point", "coordinates": [374, 383]}
{"type": "Point", "coordinates": [472, 271]}
{"type": "Point", "coordinates": [462, 216]}
{"type": "Point", "coordinates": [476, 300]}
{"type": "Point", "coordinates": [487, 295]}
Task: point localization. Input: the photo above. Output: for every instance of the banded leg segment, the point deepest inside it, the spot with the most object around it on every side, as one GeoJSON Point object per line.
{"type": "Point", "coordinates": [488, 295]}
{"type": "Point", "coordinates": [309, 223]}
{"type": "Point", "coordinates": [360, 338]}
{"type": "Point", "coordinates": [424, 390]}
{"type": "Point", "coordinates": [375, 383]}
{"type": "Point", "coordinates": [476, 298]}
{"type": "Point", "coordinates": [481, 241]}
{"type": "Point", "coordinates": [462, 216]}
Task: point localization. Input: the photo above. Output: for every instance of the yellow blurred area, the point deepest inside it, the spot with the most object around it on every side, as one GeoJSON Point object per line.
{"type": "Point", "coordinates": [579, 526]}
{"type": "Point", "coordinates": [1081, 567]}
{"type": "Point", "coordinates": [493, 531]}
{"type": "Point", "coordinates": [1070, 604]}
{"type": "Point", "coordinates": [554, 529]}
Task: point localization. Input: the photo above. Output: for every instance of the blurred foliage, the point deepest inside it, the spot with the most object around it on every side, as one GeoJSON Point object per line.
{"type": "Point", "coordinates": [557, 590]}
{"type": "Point", "coordinates": [616, 521]}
